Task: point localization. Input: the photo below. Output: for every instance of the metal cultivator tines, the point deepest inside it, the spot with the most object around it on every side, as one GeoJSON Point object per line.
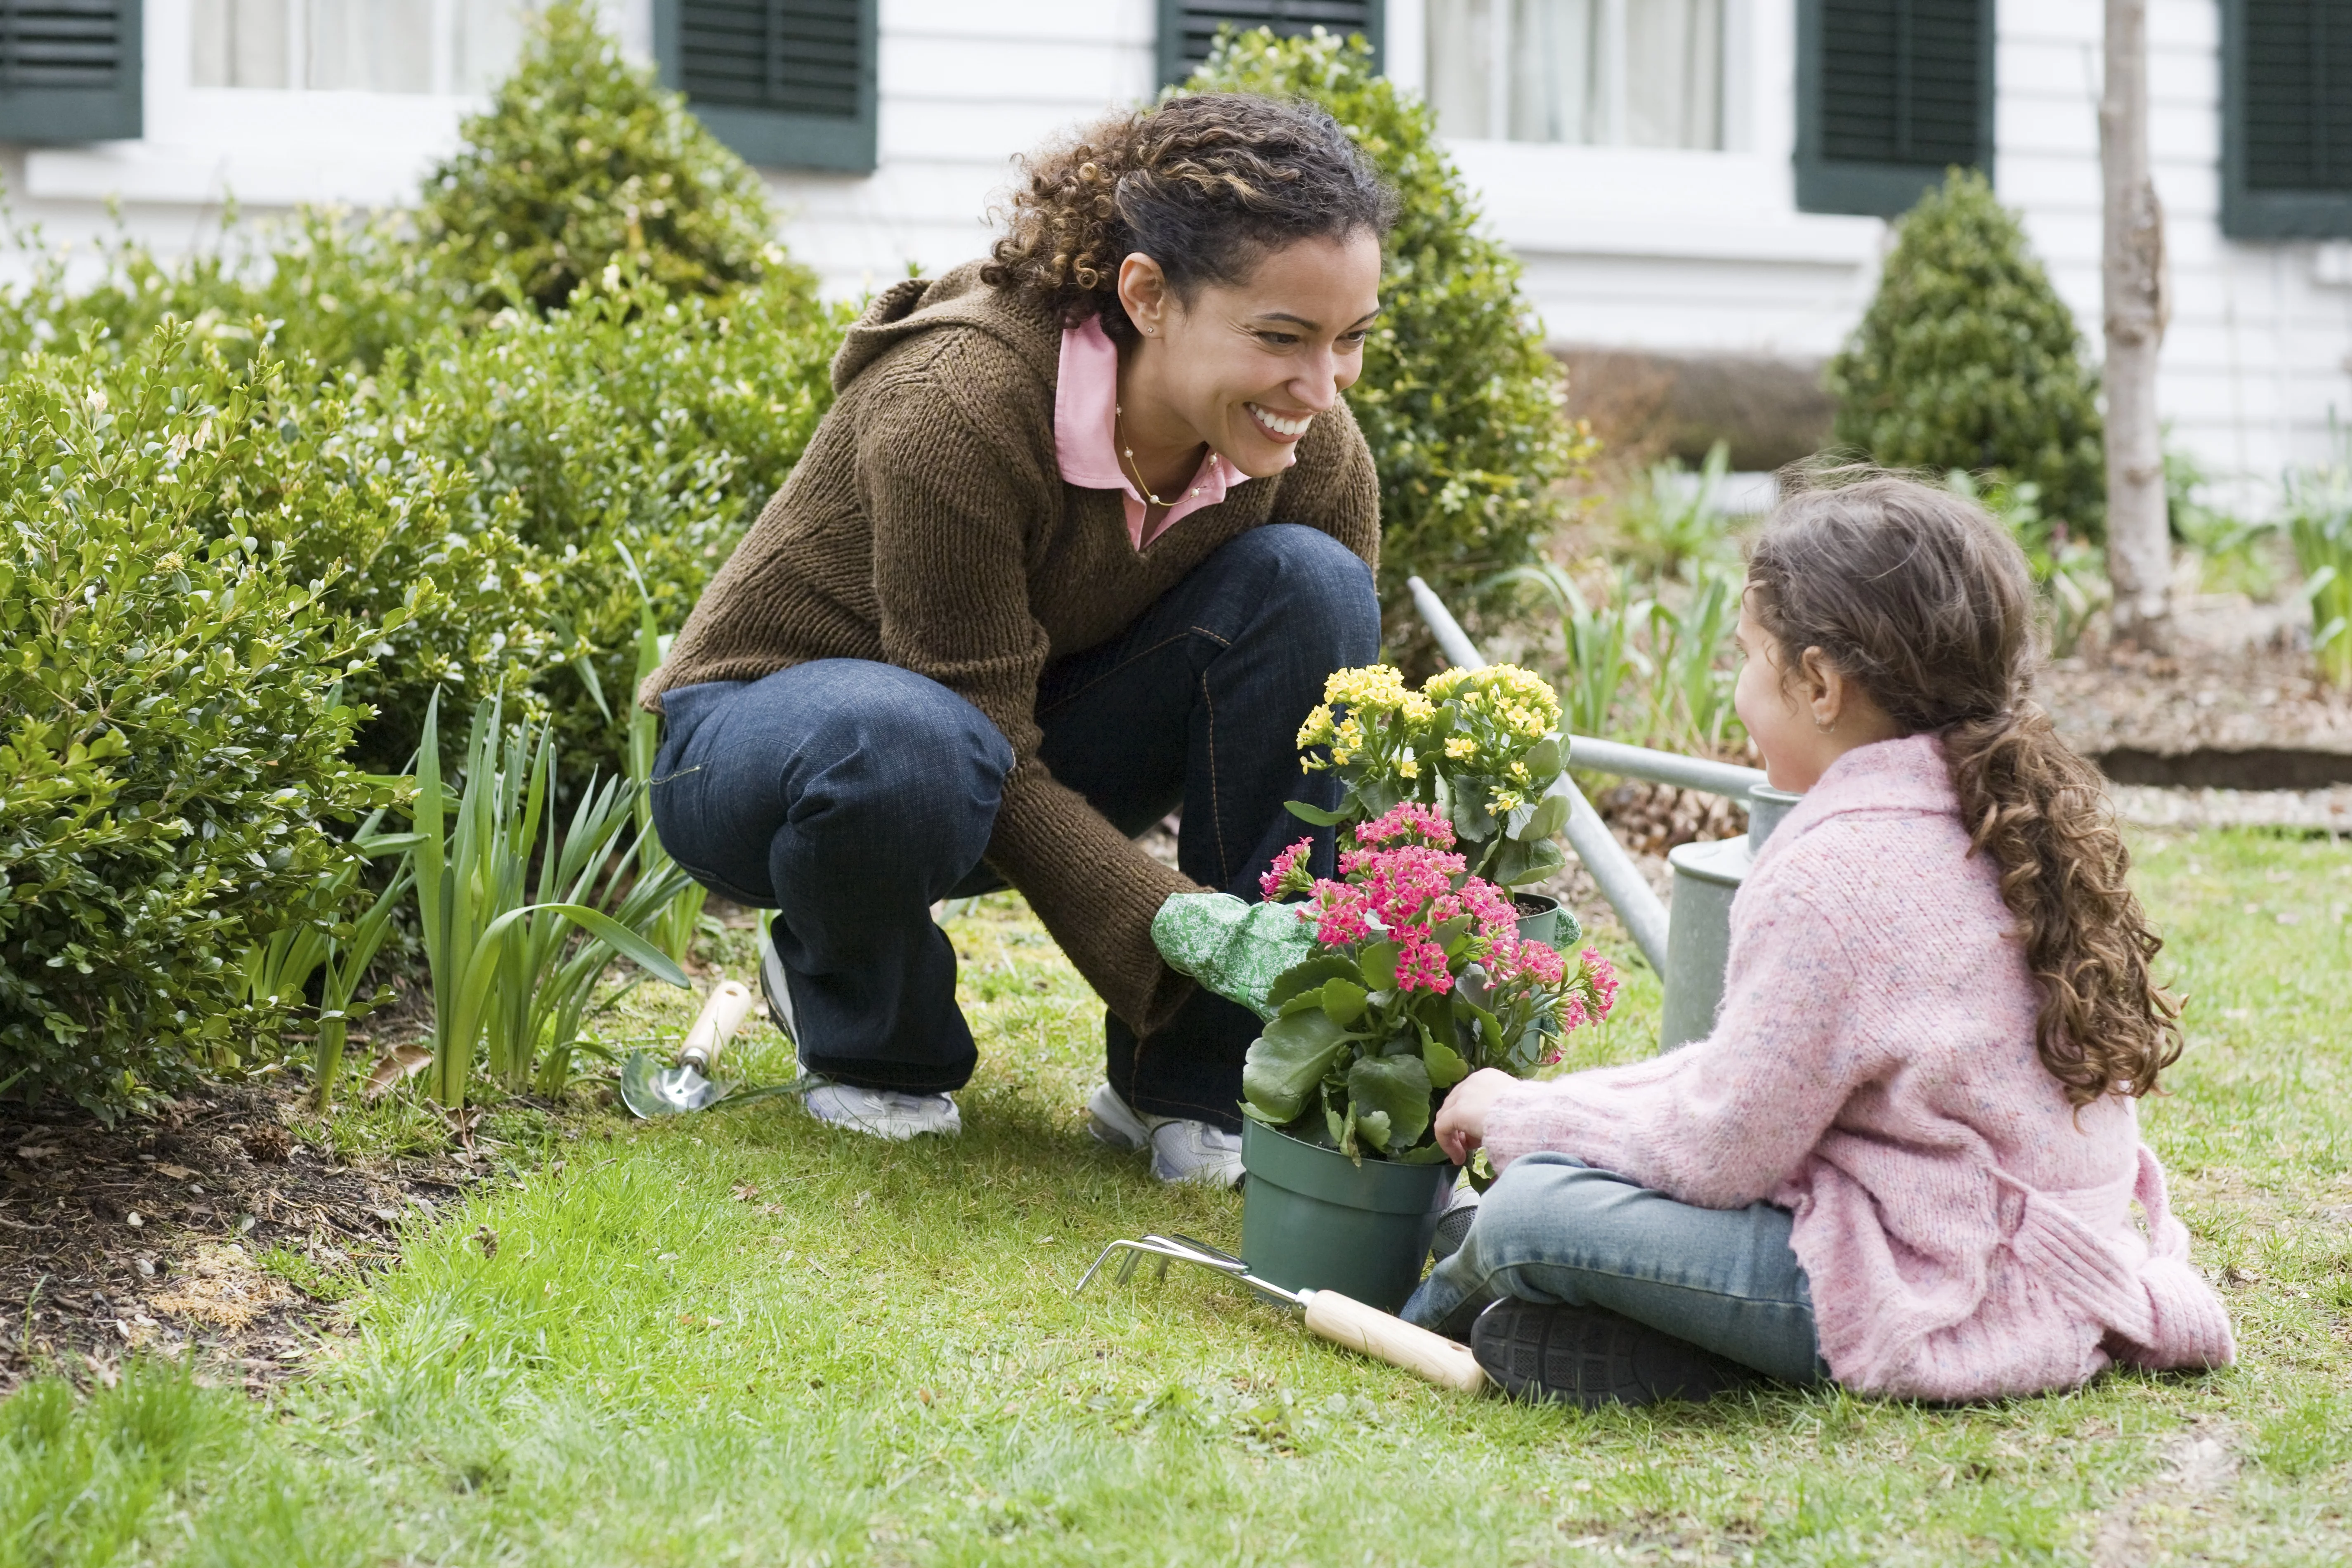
{"type": "Point", "coordinates": [1184, 1249]}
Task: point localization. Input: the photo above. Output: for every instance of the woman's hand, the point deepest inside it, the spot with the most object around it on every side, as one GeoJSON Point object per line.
{"type": "Point", "coordinates": [1462, 1120]}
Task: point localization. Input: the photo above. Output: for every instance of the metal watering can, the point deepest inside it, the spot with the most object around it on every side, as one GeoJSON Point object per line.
{"type": "Point", "coordinates": [1689, 949]}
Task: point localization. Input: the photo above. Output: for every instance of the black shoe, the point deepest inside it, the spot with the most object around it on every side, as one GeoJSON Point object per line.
{"type": "Point", "coordinates": [1586, 1356]}
{"type": "Point", "coordinates": [1461, 1213]}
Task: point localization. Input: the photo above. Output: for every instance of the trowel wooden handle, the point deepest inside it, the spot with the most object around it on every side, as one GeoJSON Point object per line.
{"type": "Point", "coordinates": [1346, 1322]}
{"type": "Point", "coordinates": [722, 1014]}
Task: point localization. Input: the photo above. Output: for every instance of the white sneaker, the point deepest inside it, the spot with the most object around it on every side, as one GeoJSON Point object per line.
{"type": "Point", "coordinates": [1181, 1150]}
{"type": "Point", "coordinates": [878, 1112]}
{"type": "Point", "coordinates": [884, 1112]}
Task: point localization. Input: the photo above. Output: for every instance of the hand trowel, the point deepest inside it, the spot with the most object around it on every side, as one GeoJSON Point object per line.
{"type": "Point", "coordinates": [650, 1091]}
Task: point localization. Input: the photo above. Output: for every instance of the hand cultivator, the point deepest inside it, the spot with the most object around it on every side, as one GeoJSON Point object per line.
{"type": "Point", "coordinates": [649, 1091]}
{"type": "Point", "coordinates": [1329, 1315]}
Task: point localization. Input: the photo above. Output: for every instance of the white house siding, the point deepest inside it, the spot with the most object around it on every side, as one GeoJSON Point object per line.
{"type": "Point", "coordinates": [1679, 252]}
{"type": "Point", "coordinates": [965, 86]}
{"type": "Point", "coordinates": [2255, 361]}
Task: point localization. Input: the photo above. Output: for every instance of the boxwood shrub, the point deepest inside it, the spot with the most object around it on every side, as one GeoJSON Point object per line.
{"type": "Point", "coordinates": [488, 504]}
{"type": "Point", "coordinates": [1969, 359]}
{"type": "Point", "coordinates": [628, 441]}
{"type": "Point", "coordinates": [173, 733]}
{"type": "Point", "coordinates": [508, 464]}
{"type": "Point", "coordinates": [583, 162]}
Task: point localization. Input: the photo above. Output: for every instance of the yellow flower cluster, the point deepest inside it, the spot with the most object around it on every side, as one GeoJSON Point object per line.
{"type": "Point", "coordinates": [1372, 686]}
{"type": "Point", "coordinates": [1370, 694]}
{"type": "Point", "coordinates": [1504, 710]}
{"type": "Point", "coordinates": [1519, 700]}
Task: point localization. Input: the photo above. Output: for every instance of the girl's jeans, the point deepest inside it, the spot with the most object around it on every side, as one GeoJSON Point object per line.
{"type": "Point", "coordinates": [1552, 1229]}
{"type": "Point", "coordinates": [849, 796]}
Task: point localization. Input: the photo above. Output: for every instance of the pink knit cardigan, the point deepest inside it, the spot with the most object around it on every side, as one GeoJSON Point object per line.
{"type": "Point", "coordinates": [1966, 1231]}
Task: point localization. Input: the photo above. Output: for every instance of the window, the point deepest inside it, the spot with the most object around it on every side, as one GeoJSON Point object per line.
{"type": "Point", "coordinates": [1890, 93]}
{"type": "Point", "coordinates": [1187, 28]}
{"type": "Point", "coordinates": [783, 82]}
{"type": "Point", "coordinates": [1602, 73]}
{"type": "Point", "coordinates": [70, 69]}
{"type": "Point", "coordinates": [2286, 119]}
{"type": "Point", "coordinates": [363, 45]}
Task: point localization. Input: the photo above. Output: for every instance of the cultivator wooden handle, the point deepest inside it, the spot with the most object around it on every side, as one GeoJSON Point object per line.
{"type": "Point", "coordinates": [1344, 1320]}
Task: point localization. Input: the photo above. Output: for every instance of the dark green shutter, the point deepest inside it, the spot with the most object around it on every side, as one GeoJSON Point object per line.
{"type": "Point", "coordinates": [1890, 93]}
{"type": "Point", "coordinates": [2286, 119]}
{"type": "Point", "coordinates": [787, 83]}
{"type": "Point", "coordinates": [1187, 29]}
{"type": "Point", "coordinates": [70, 70]}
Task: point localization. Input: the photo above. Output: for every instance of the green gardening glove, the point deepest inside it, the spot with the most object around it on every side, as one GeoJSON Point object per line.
{"type": "Point", "coordinates": [1235, 949]}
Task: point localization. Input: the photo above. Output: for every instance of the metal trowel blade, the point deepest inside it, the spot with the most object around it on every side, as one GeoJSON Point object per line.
{"type": "Point", "coordinates": [650, 1089]}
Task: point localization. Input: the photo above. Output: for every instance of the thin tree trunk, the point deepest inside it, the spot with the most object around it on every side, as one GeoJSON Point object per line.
{"type": "Point", "coordinates": [2140, 546]}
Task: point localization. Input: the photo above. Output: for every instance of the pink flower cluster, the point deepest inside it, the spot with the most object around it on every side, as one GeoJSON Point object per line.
{"type": "Point", "coordinates": [1403, 882]}
{"type": "Point", "coordinates": [1413, 822]}
{"type": "Point", "coordinates": [1587, 998]}
{"type": "Point", "coordinates": [1288, 874]}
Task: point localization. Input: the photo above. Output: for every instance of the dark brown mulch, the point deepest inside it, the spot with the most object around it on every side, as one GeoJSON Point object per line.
{"type": "Point", "coordinates": [1654, 818]}
{"type": "Point", "coordinates": [152, 1234]}
{"type": "Point", "coordinates": [2234, 707]}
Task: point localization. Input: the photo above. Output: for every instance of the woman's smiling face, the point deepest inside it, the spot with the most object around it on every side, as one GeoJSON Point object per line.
{"type": "Point", "coordinates": [1247, 367]}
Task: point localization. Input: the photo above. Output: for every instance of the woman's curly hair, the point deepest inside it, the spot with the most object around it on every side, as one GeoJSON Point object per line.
{"type": "Point", "coordinates": [1204, 185]}
{"type": "Point", "coordinates": [1926, 601]}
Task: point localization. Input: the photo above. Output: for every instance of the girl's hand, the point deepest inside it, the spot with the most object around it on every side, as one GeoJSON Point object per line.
{"type": "Point", "coordinates": [1462, 1120]}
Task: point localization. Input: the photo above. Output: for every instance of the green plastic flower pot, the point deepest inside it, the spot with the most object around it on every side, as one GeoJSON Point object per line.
{"type": "Point", "coordinates": [1541, 919]}
{"type": "Point", "coordinates": [1313, 1219]}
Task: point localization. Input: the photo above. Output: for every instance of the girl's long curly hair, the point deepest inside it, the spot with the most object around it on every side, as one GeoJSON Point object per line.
{"type": "Point", "coordinates": [1204, 185]}
{"type": "Point", "coordinates": [1926, 601]}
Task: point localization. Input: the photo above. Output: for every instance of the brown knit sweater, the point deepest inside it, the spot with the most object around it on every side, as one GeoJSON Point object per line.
{"type": "Point", "coordinates": [928, 526]}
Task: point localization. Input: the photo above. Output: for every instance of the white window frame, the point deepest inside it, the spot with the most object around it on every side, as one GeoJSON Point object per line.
{"type": "Point", "coordinates": [1408, 50]}
{"type": "Point", "coordinates": [274, 148]}
{"type": "Point", "coordinates": [1645, 205]}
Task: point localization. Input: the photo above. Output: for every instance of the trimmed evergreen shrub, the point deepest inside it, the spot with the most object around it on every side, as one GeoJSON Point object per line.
{"type": "Point", "coordinates": [492, 475]}
{"type": "Point", "coordinates": [171, 729]}
{"type": "Point", "coordinates": [1460, 400]}
{"type": "Point", "coordinates": [627, 442]}
{"type": "Point", "coordinates": [1968, 359]}
{"type": "Point", "coordinates": [584, 162]}
{"type": "Point", "coordinates": [321, 285]}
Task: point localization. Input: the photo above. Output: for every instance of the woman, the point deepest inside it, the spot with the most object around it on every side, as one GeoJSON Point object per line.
{"type": "Point", "coordinates": [1080, 539]}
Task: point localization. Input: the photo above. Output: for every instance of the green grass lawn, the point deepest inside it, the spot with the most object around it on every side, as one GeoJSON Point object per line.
{"type": "Point", "coordinates": [739, 1338]}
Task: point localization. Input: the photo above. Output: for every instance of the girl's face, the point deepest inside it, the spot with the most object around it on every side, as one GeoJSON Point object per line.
{"type": "Point", "coordinates": [1247, 367]}
{"type": "Point", "coordinates": [1802, 719]}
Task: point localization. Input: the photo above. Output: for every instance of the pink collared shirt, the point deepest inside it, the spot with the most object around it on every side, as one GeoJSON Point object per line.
{"type": "Point", "coordinates": [1085, 444]}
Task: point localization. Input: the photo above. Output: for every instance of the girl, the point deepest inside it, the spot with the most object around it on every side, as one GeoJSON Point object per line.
{"type": "Point", "coordinates": [1905, 1157]}
{"type": "Point", "coordinates": [1077, 543]}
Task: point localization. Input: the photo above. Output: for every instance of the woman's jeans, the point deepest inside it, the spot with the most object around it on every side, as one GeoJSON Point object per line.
{"type": "Point", "coordinates": [850, 795]}
{"type": "Point", "coordinates": [1552, 1229]}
